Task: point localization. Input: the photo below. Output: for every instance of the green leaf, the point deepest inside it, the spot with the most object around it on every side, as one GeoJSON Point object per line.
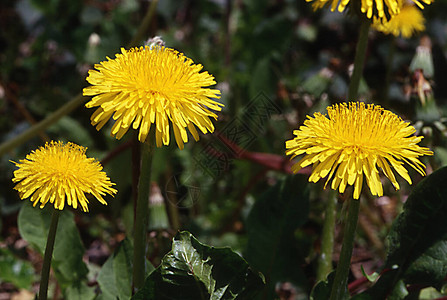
{"type": "Point", "coordinates": [106, 280]}
{"type": "Point", "coordinates": [399, 292]}
{"type": "Point", "coordinates": [18, 272]}
{"type": "Point", "coordinates": [67, 261]}
{"type": "Point", "coordinates": [115, 277]}
{"type": "Point", "coordinates": [262, 78]}
{"type": "Point", "coordinates": [317, 83]}
{"type": "Point", "coordinates": [80, 291]}
{"type": "Point", "coordinates": [372, 277]}
{"type": "Point", "coordinates": [272, 246]}
{"type": "Point", "coordinates": [196, 271]}
{"type": "Point", "coordinates": [322, 290]}
{"type": "Point", "coordinates": [122, 266]}
{"type": "Point", "coordinates": [418, 239]}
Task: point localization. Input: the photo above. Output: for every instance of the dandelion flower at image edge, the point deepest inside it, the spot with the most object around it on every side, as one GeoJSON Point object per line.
{"type": "Point", "coordinates": [408, 22]}
{"type": "Point", "coordinates": [158, 85]}
{"type": "Point", "coordinates": [59, 173]}
{"type": "Point", "coordinates": [376, 8]}
{"type": "Point", "coordinates": [351, 142]}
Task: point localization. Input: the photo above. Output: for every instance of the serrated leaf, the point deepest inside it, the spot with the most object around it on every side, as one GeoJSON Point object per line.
{"type": "Point", "coordinates": [68, 250]}
{"type": "Point", "coordinates": [271, 225]}
{"type": "Point", "coordinates": [418, 238]}
{"type": "Point", "coordinates": [192, 270]}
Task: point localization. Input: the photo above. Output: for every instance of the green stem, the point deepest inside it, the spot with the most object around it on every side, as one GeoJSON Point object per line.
{"type": "Point", "coordinates": [141, 213]}
{"type": "Point", "coordinates": [141, 33]}
{"type": "Point", "coordinates": [339, 288]}
{"type": "Point", "coordinates": [67, 108]}
{"type": "Point", "coordinates": [359, 60]}
{"type": "Point", "coordinates": [43, 290]}
{"type": "Point", "coordinates": [389, 70]}
{"type": "Point", "coordinates": [327, 238]}
{"type": "Point", "coordinates": [341, 274]}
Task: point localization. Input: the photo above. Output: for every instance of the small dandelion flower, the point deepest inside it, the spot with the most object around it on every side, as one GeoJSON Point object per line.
{"type": "Point", "coordinates": [61, 172]}
{"type": "Point", "coordinates": [351, 142]}
{"type": "Point", "coordinates": [153, 85]}
{"type": "Point", "coordinates": [376, 8]}
{"type": "Point", "coordinates": [406, 23]}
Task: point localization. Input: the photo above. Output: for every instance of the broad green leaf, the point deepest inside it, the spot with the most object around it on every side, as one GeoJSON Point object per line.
{"type": "Point", "coordinates": [106, 280]}
{"type": "Point", "coordinates": [115, 277]}
{"type": "Point", "coordinates": [196, 271]}
{"type": "Point", "coordinates": [429, 269]}
{"type": "Point", "coordinates": [122, 266]}
{"type": "Point", "coordinates": [418, 239]}
{"type": "Point", "coordinates": [79, 291]}
{"type": "Point", "coordinates": [272, 246]}
{"type": "Point", "coordinates": [67, 261]}
{"type": "Point", "coordinates": [18, 272]}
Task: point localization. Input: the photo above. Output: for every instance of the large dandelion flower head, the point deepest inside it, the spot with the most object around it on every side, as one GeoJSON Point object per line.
{"type": "Point", "coordinates": [61, 172]}
{"type": "Point", "coordinates": [376, 8]}
{"type": "Point", "coordinates": [406, 23]}
{"type": "Point", "coordinates": [153, 85]}
{"type": "Point", "coordinates": [352, 142]}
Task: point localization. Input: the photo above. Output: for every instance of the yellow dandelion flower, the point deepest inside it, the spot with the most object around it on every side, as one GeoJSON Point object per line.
{"type": "Point", "coordinates": [353, 141]}
{"type": "Point", "coordinates": [406, 23]}
{"type": "Point", "coordinates": [59, 172]}
{"type": "Point", "coordinates": [376, 8]}
{"type": "Point", "coordinates": [153, 85]}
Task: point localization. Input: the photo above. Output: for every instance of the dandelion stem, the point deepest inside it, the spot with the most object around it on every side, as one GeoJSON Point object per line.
{"type": "Point", "coordinates": [339, 287]}
{"type": "Point", "coordinates": [341, 275]}
{"type": "Point", "coordinates": [142, 212]}
{"type": "Point", "coordinates": [389, 69]}
{"type": "Point", "coordinates": [45, 276]}
{"type": "Point", "coordinates": [359, 60]}
{"type": "Point", "coordinates": [327, 239]}
{"type": "Point", "coordinates": [34, 130]}
{"type": "Point", "coordinates": [142, 30]}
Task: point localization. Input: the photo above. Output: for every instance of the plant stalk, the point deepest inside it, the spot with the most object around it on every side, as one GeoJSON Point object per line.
{"type": "Point", "coordinates": [389, 70]}
{"type": "Point", "coordinates": [339, 287]}
{"type": "Point", "coordinates": [45, 276]}
{"type": "Point", "coordinates": [359, 60]}
{"type": "Point", "coordinates": [327, 238]}
{"type": "Point", "coordinates": [142, 213]}
{"type": "Point", "coordinates": [142, 30]}
{"type": "Point", "coordinates": [38, 128]}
